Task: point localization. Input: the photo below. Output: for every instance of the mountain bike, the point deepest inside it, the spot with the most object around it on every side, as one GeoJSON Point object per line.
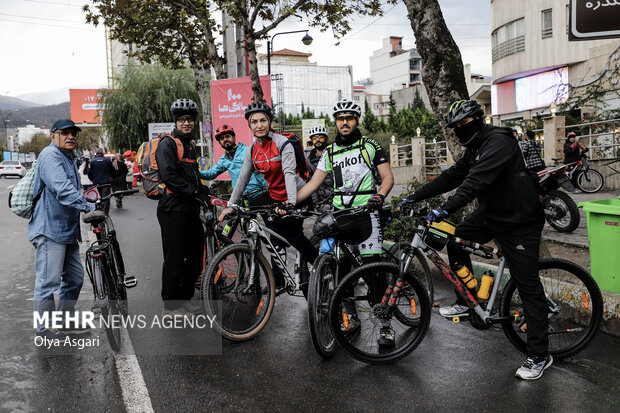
{"type": "Point", "coordinates": [240, 279]}
{"type": "Point", "coordinates": [326, 271]}
{"type": "Point", "coordinates": [573, 297]}
{"type": "Point", "coordinates": [106, 270]}
{"type": "Point", "coordinates": [583, 177]}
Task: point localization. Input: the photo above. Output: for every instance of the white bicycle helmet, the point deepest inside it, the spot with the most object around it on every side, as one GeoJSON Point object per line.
{"type": "Point", "coordinates": [318, 130]}
{"type": "Point", "coordinates": [346, 105]}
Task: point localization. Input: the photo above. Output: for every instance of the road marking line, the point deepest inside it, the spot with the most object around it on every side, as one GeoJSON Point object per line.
{"type": "Point", "coordinates": [135, 394]}
{"type": "Point", "coordinates": [10, 186]}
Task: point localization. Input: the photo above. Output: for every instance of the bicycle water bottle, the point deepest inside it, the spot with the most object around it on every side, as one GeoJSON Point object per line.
{"type": "Point", "coordinates": [465, 275]}
{"type": "Point", "coordinates": [485, 285]}
{"type": "Point", "coordinates": [327, 245]}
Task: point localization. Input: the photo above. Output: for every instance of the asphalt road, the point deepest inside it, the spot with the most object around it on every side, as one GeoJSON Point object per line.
{"type": "Point", "coordinates": [456, 368]}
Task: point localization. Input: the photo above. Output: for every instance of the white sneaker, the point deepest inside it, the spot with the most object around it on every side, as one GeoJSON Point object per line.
{"type": "Point", "coordinates": [533, 367]}
{"type": "Point", "coordinates": [454, 310]}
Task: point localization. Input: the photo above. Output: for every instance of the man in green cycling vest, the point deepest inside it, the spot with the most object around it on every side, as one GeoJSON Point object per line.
{"type": "Point", "coordinates": [356, 163]}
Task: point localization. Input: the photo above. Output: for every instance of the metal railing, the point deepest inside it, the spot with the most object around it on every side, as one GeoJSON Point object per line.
{"type": "Point", "coordinates": [604, 144]}
{"type": "Point", "coordinates": [435, 157]}
{"type": "Point", "coordinates": [512, 46]}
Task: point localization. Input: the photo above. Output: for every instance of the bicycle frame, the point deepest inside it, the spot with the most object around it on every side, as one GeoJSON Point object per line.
{"type": "Point", "coordinates": [255, 233]}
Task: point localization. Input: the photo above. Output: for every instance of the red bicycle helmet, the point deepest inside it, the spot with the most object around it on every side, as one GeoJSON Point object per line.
{"type": "Point", "coordinates": [223, 131]}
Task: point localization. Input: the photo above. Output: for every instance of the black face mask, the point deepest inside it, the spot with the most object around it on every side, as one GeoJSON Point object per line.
{"type": "Point", "coordinates": [468, 133]}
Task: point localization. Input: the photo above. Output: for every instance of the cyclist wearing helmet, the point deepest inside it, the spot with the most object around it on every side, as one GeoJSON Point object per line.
{"type": "Point", "coordinates": [275, 160]}
{"type": "Point", "coordinates": [319, 137]}
{"type": "Point", "coordinates": [574, 149]}
{"type": "Point", "coordinates": [178, 213]}
{"type": "Point", "coordinates": [232, 161]}
{"type": "Point", "coordinates": [493, 171]}
{"type": "Point", "coordinates": [356, 162]}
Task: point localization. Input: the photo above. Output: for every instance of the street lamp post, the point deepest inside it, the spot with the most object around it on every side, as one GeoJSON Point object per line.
{"type": "Point", "coordinates": [307, 40]}
{"type": "Point", "coordinates": [6, 134]}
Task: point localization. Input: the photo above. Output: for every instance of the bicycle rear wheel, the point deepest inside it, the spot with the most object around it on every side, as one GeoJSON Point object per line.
{"type": "Point", "coordinates": [590, 181]}
{"type": "Point", "coordinates": [575, 308]}
{"type": "Point", "coordinates": [244, 309]}
{"type": "Point", "coordinates": [320, 290]}
{"type": "Point", "coordinates": [113, 309]}
{"type": "Point", "coordinates": [418, 266]}
{"type": "Point", "coordinates": [365, 288]}
{"type": "Point", "coordinates": [119, 265]}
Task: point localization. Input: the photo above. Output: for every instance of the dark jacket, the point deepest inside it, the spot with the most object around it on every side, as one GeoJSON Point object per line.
{"type": "Point", "coordinates": [495, 173]}
{"type": "Point", "coordinates": [101, 171]}
{"type": "Point", "coordinates": [182, 178]}
{"type": "Point", "coordinates": [119, 183]}
{"type": "Point", "coordinates": [326, 190]}
{"type": "Point", "coordinates": [573, 152]}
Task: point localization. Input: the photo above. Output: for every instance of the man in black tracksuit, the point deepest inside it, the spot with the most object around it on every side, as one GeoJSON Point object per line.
{"type": "Point", "coordinates": [101, 172]}
{"type": "Point", "coordinates": [178, 212]}
{"type": "Point", "coordinates": [492, 169]}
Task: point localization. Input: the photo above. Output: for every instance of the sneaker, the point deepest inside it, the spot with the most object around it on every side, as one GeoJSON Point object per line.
{"type": "Point", "coordinates": [386, 337]}
{"type": "Point", "coordinates": [533, 367]}
{"type": "Point", "coordinates": [51, 334]}
{"type": "Point", "coordinates": [454, 310]}
{"type": "Point", "coordinates": [192, 307]}
{"type": "Point", "coordinates": [176, 311]}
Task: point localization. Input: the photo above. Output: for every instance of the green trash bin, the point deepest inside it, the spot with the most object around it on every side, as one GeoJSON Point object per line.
{"type": "Point", "coordinates": [603, 218]}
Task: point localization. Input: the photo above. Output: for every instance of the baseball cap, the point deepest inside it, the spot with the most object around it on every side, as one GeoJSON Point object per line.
{"type": "Point", "coordinates": [61, 124]}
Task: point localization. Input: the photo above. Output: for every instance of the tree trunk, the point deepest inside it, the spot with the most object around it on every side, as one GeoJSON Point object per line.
{"type": "Point", "coordinates": [250, 45]}
{"type": "Point", "coordinates": [442, 72]}
{"type": "Point", "coordinates": [204, 91]}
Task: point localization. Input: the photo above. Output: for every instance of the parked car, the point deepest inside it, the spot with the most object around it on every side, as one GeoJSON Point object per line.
{"type": "Point", "coordinates": [12, 168]}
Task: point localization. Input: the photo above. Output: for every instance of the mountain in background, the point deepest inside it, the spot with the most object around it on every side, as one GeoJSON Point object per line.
{"type": "Point", "coordinates": [50, 97]}
{"type": "Point", "coordinates": [40, 116]}
{"type": "Point", "coordinates": [12, 103]}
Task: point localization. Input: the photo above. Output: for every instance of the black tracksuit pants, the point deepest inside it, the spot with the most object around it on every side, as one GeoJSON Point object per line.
{"type": "Point", "coordinates": [520, 247]}
{"type": "Point", "coordinates": [182, 240]}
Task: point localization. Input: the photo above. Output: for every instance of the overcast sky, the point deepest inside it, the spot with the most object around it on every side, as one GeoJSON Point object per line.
{"type": "Point", "coordinates": [47, 46]}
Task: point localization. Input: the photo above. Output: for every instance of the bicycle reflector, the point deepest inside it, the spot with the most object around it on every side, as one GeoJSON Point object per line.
{"type": "Point", "coordinates": [437, 234]}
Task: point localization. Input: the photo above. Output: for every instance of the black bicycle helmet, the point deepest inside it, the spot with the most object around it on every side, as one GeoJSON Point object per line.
{"type": "Point", "coordinates": [346, 105]}
{"type": "Point", "coordinates": [182, 107]}
{"type": "Point", "coordinates": [256, 107]}
{"type": "Point", "coordinates": [461, 109]}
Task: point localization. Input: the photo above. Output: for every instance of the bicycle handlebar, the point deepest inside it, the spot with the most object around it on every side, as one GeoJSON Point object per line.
{"type": "Point", "coordinates": [116, 193]}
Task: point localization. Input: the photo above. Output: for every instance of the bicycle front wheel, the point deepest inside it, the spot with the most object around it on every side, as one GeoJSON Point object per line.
{"type": "Point", "coordinates": [320, 290]}
{"type": "Point", "coordinates": [119, 265]}
{"type": "Point", "coordinates": [418, 266]}
{"type": "Point", "coordinates": [357, 299]}
{"type": "Point", "coordinates": [575, 308]}
{"type": "Point", "coordinates": [590, 181]}
{"type": "Point", "coordinates": [113, 309]}
{"type": "Point", "coordinates": [245, 306]}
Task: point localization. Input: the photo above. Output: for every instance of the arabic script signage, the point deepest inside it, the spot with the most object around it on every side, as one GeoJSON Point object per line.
{"type": "Point", "coordinates": [595, 19]}
{"type": "Point", "coordinates": [229, 98]}
{"type": "Point", "coordinates": [84, 105]}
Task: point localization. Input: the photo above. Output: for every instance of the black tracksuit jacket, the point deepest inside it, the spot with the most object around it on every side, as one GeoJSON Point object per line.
{"type": "Point", "coordinates": [495, 173]}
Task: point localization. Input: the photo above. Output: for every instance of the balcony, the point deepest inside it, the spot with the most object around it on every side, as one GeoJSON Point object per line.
{"type": "Point", "coordinates": [508, 47]}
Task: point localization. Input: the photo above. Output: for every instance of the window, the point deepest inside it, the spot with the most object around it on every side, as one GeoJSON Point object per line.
{"type": "Point", "coordinates": [356, 98]}
{"type": "Point", "coordinates": [414, 77]}
{"type": "Point", "coordinates": [508, 39]}
{"type": "Point", "coordinates": [376, 106]}
{"type": "Point", "coordinates": [547, 24]}
{"type": "Point", "coordinates": [415, 64]}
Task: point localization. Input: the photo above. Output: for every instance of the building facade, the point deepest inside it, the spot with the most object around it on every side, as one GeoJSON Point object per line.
{"type": "Point", "coordinates": [306, 84]}
{"type": "Point", "coordinates": [393, 67]}
{"type": "Point", "coordinates": [534, 64]}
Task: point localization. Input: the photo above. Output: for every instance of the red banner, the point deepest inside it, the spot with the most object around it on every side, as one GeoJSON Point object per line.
{"type": "Point", "coordinates": [84, 105]}
{"type": "Point", "coordinates": [229, 98]}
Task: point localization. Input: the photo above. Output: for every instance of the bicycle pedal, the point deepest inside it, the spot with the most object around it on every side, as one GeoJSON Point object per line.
{"type": "Point", "coordinates": [130, 281]}
{"type": "Point", "coordinates": [456, 319]}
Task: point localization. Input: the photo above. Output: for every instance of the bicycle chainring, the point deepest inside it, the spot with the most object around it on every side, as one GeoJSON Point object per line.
{"type": "Point", "coordinates": [477, 322]}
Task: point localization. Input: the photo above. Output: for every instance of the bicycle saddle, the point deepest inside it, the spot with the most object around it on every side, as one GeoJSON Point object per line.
{"type": "Point", "coordinates": [93, 216]}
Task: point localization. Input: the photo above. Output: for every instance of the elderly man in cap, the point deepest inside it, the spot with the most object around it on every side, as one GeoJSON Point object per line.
{"type": "Point", "coordinates": [54, 228]}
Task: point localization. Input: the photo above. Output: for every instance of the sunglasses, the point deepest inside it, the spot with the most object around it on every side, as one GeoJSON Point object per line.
{"type": "Point", "coordinates": [317, 137]}
{"type": "Point", "coordinates": [347, 119]}
{"type": "Point", "coordinates": [185, 119]}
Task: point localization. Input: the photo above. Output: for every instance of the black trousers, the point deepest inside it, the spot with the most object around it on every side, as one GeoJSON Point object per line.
{"type": "Point", "coordinates": [105, 190]}
{"type": "Point", "coordinates": [520, 247]}
{"type": "Point", "coordinates": [182, 239]}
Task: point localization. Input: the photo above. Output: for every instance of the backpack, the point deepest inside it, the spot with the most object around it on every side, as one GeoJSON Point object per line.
{"type": "Point", "coordinates": [21, 198]}
{"type": "Point", "coordinates": [152, 185]}
{"type": "Point", "coordinates": [300, 156]}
